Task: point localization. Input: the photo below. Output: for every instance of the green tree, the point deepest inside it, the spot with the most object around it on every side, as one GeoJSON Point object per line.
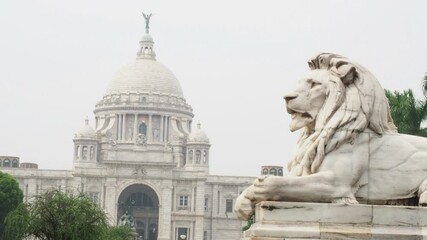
{"type": "Point", "coordinates": [17, 223]}
{"type": "Point", "coordinates": [118, 233]}
{"type": "Point", "coordinates": [408, 113]}
{"type": "Point", "coordinates": [10, 197]}
{"type": "Point", "coordinates": [55, 215]}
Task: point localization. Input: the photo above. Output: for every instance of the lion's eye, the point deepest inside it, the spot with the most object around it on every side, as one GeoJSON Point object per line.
{"type": "Point", "coordinates": [313, 84]}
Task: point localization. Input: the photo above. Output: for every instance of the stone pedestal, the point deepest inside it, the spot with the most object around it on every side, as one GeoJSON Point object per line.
{"type": "Point", "coordinates": [294, 220]}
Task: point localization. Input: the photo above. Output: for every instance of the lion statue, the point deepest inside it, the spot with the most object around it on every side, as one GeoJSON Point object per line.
{"type": "Point", "coordinates": [349, 151]}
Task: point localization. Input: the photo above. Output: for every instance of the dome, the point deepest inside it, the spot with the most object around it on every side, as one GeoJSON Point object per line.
{"type": "Point", "coordinates": [145, 75]}
{"type": "Point", "coordinates": [147, 38]}
{"type": "Point", "coordinates": [86, 132]}
{"type": "Point", "coordinates": [198, 135]}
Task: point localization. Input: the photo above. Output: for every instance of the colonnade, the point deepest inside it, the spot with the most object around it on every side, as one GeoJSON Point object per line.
{"type": "Point", "coordinates": [130, 133]}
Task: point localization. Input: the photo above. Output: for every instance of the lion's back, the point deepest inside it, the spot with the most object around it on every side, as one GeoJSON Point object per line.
{"type": "Point", "coordinates": [397, 166]}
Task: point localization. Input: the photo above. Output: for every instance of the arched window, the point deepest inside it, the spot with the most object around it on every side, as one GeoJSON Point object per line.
{"type": "Point", "coordinates": [198, 156]}
{"type": "Point", "coordinates": [139, 199]}
{"type": "Point", "coordinates": [190, 155]}
{"type": "Point", "coordinates": [152, 234]}
{"type": "Point", "coordinates": [265, 171]}
{"type": "Point", "coordinates": [273, 171]}
{"type": "Point", "coordinates": [6, 163]}
{"type": "Point", "coordinates": [205, 156]}
{"type": "Point", "coordinates": [77, 152]}
{"type": "Point", "coordinates": [140, 228]}
{"type": "Point", "coordinates": [143, 129]}
{"type": "Point", "coordinates": [92, 153]}
{"type": "Point", "coordinates": [280, 172]}
{"type": "Point", "coordinates": [14, 163]}
{"type": "Point", "coordinates": [84, 152]}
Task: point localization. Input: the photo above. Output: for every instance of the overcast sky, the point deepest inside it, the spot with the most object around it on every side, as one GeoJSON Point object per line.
{"type": "Point", "coordinates": [234, 59]}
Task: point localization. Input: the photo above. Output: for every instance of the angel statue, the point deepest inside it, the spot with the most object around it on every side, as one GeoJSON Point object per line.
{"type": "Point", "coordinates": [147, 22]}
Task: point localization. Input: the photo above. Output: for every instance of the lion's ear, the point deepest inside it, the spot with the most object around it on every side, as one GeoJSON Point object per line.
{"type": "Point", "coordinates": [346, 73]}
{"type": "Point", "coordinates": [311, 64]}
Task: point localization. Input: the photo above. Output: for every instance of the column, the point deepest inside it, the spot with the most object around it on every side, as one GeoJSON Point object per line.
{"type": "Point", "coordinates": [124, 127]}
{"type": "Point", "coordinates": [149, 130]}
{"type": "Point", "coordinates": [119, 124]}
{"type": "Point", "coordinates": [165, 212]}
{"type": "Point", "coordinates": [135, 128]}
{"type": "Point", "coordinates": [110, 201]}
{"type": "Point", "coordinates": [166, 128]}
{"type": "Point", "coordinates": [161, 128]}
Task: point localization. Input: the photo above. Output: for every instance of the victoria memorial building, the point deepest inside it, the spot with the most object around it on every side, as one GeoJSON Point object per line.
{"type": "Point", "coordinates": [145, 156]}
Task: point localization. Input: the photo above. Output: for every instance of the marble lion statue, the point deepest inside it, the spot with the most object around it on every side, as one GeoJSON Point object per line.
{"type": "Point", "coordinates": [349, 150]}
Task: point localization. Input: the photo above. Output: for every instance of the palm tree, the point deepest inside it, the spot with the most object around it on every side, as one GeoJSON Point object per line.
{"type": "Point", "coordinates": [425, 85]}
{"type": "Point", "coordinates": [408, 113]}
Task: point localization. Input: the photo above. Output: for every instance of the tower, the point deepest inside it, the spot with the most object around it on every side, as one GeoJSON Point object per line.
{"type": "Point", "coordinates": [197, 155]}
{"type": "Point", "coordinates": [85, 147]}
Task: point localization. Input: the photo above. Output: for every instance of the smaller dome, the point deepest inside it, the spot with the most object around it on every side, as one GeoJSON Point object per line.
{"type": "Point", "coordinates": [198, 135]}
{"type": "Point", "coordinates": [147, 38]}
{"type": "Point", "coordinates": [86, 132]}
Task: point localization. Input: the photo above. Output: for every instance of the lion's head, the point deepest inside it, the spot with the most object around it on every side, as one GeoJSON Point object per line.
{"type": "Point", "coordinates": [336, 101]}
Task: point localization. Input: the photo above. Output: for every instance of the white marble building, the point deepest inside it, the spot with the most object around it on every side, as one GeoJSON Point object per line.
{"type": "Point", "coordinates": [143, 156]}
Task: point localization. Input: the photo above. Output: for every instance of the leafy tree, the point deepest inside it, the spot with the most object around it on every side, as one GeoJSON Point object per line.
{"type": "Point", "coordinates": [55, 215]}
{"type": "Point", "coordinates": [10, 197]}
{"type": "Point", "coordinates": [17, 223]}
{"type": "Point", "coordinates": [118, 233]}
{"type": "Point", "coordinates": [407, 112]}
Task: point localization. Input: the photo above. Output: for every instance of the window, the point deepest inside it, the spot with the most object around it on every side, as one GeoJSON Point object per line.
{"type": "Point", "coordinates": [273, 171]}
{"type": "Point", "coordinates": [190, 155]}
{"type": "Point", "coordinates": [182, 233]}
{"type": "Point", "coordinates": [205, 156]}
{"type": "Point", "coordinates": [84, 153]}
{"type": "Point", "coordinates": [92, 153]}
{"type": "Point", "coordinates": [6, 163]}
{"type": "Point", "coordinates": [139, 199]}
{"type": "Point", "coordinates": [228, 205]}
{"type": "Point", "coordinates": [77, 152]}
{"type": "Point", "coordinates": [15, 163]}
{"type": "Point", "coordinates": [206, 204]}
{"type": "Point", "coordinates": [183, 201]}
{"type": "Point", "coordinates": [198, 156]}
{"type": "Point", "coordinates": [143, 129]}
{"type": "Point", "coordinates": [94, 196]}
{"type": "Point", "coordinates": [265, 171]}
{"type": "Point", "coordinates": [205, 235]}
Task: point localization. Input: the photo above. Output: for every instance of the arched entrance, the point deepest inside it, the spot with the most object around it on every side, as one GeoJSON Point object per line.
{"type": "Point", "coordinates": [142, 203]}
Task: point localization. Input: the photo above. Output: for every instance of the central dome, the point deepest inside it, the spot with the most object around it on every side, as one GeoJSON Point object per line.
{"type": "Point", "coordinates": [145, 75]}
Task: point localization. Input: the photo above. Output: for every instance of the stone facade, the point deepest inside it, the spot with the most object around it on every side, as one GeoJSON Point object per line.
{"type": "Point", "coordinates": [143, 157]}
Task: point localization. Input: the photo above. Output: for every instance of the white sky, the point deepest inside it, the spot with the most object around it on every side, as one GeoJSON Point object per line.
{"type": "Point", "coordinates": [234, 59]}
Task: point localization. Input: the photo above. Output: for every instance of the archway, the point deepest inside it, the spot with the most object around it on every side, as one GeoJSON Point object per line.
{"type": "Point", "coordinates": [142, 203]}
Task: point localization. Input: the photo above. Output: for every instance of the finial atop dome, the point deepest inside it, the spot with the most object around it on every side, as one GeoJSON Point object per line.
{"type": "Point", "coordinates": [147, 22]}
{"type": "Point", "coordinates": [198, 135]}
{"type": "Point", "coordinates": [146, 44]}
{"type": "Point", "coordinates": [86, 132]}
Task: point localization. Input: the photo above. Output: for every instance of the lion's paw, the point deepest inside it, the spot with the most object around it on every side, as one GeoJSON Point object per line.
{"type": "Point", "coordinates": [346, 200]}
{"type": "Point", "coordinates": [422, 194]}
{"type": "Point", "coordinates": [244, 208]}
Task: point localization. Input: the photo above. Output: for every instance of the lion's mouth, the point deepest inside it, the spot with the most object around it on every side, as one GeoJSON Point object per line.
{"type": "Point", "coordinates": [299, 119]}
{"type": "Point", "coordinates": [294, 114]}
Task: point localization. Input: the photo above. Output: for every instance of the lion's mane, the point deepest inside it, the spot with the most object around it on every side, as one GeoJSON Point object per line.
{"type": "Point", "coordinates": [355, 102]}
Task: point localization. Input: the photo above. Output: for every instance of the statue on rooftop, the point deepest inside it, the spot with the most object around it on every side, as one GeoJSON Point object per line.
{"type": "Point", "coordinates": [147, 22]}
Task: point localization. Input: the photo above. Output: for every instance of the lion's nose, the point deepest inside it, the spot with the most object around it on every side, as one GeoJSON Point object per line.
{"type": "Point", "coordinates": [290, 96]}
